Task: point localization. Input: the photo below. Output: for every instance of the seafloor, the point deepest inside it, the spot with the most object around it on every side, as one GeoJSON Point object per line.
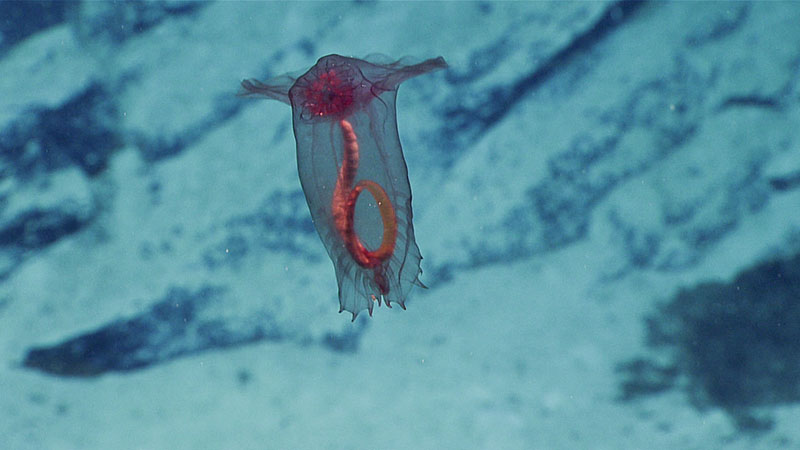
{"type": "Point", "coordinates": [606, 197]}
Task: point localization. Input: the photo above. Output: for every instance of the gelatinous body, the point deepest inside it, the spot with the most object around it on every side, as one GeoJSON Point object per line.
{"type": "Point", "coordinates": [345, 126]}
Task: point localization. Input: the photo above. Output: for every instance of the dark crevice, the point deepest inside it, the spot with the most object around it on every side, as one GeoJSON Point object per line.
{"type": "Point", "coordinates": [724, 25]}
{"type": "Point", "coordinates": [503, 98]}
{"type": "Point", "coordinates": [175, 326]}
{"type": "Point", "coordinates": [348, 340]}
{"type": "Point", "coordinates": [226, 106]}
{"type": "Point", "coordinates": [559, 209]}
{"type": "Point", "coordinates": [163, 147]}
{"type": "Point", "coordinates": [182, 323]}
{"type": "Point", "coordinates": [80, 132]}
{"type": "Point", "coordinates": [786, 182]}
{"type": "Point", "coordinates": [614, 16]}
{"type": "Point", "coordinates": [750, 101]}
{"type": "Point", "coordinates": [37, 229]}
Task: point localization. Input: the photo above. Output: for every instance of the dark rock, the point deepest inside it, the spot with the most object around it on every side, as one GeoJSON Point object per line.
{"type": "Point", "coordinates": [20, 19]}
{"type": "Point", "coordinates": [171, 328]}
{"type": "Point", "coordinates": [38, 212]}
{"type": "Point", "coordinates": [738, 343]}
{"type": "Point", "coordinates": [80, 132]}
{"type": "Point", "coordinates": [182, 323]}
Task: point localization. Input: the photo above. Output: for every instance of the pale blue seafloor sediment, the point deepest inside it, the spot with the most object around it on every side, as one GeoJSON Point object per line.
{"type": "Point", "coordinates": [606, 197]}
